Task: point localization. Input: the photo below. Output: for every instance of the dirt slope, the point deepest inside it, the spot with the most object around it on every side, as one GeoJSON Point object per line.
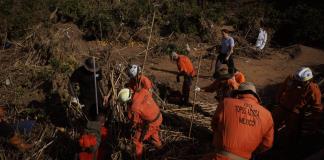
{"type": "Point", "coordinates": [264, 72]}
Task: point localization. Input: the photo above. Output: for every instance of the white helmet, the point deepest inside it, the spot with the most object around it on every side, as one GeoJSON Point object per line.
{"type": "Point", "coordinates": [125, 95]}
{"type": "Point", "coordinates": [304, 74]}
{"type": "Point", "coordinates": [134, 70]}
{"type": "Point", "coordinates": [174, 55]}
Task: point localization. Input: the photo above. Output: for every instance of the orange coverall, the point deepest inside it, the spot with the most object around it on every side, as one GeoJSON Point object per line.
{"type": "Point", "coordinates": [293, 100]}
{"type": "Point", "coordinates": [241, 126]}
{"type": "Point", "coordinates": [144, 83]}
{"type": "Point", "coordinates": [184, 65]}
{"type": "Point", "coordinates": [145, 110]}
{"type": "Point", "coordinates": [186, 69]}
{"type": "Point", "coordinates": [88, 141]}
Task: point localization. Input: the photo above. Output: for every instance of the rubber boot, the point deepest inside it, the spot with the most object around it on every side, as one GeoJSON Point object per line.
{"type": "Point", "coordinates": [17, 141]}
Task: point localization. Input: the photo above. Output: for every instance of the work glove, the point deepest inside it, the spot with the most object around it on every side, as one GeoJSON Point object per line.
{"type": "Point", "coordinates": [75, 102]}
{"type": "Point", "coordinates": [178, 78]}
{"type": "Point", "coordinates": [197, 89]}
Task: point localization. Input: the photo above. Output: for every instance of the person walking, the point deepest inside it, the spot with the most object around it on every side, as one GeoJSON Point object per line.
{"type": "Point", "coordinates": [226, 52]}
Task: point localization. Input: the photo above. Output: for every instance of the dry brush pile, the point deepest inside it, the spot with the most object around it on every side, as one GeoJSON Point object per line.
{"type": "Point", "coordinates": [35, 86]}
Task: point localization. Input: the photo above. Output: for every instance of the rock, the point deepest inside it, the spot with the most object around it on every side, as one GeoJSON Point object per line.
{"type": "Point", "coordinates": [8, 82]}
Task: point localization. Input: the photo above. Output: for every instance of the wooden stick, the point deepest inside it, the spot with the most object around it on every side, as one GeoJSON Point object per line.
{"type": "Point", "coordinates": [148, 43]}
{"type": "Point", "coordinates": [195, 97]}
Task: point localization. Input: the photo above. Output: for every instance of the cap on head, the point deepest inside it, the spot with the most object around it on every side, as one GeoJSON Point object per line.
{"type": "Point", "coordinates": [304, 74]}
{"type": "Point", "coordinates": [222, 72]}
{"type": "Point", "coordinates": [134, 70]}
{"type": "Point", "coordinates": [125, 95]}
{"type": "Point", "coordinates": [90, 65]}
{"type": "Point", "coordinates": [247, 88]}
{"type": "Point", "coordinates": [225, 30]}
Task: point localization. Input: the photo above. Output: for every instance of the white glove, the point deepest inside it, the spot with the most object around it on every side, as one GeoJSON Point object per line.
{"type": "Point", "coordinates": [197, 89]}
{"type": "Point", "coordinates": [75, 100]}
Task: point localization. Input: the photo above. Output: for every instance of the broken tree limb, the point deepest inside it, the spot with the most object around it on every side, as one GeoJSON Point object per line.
{"type": "Point", "coordinates": [148, 43]}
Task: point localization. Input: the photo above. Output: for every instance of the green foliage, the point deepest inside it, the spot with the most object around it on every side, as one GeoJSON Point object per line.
{"type": "Point", "coordinates": [43, 75]}
{"type": "Point", "coordinates": [58, 66]}
{"type": "Point", "coordinates": [169, 48]}
{"type": "Point", "coordinates": [186, 17]}
{"type": "Point", "coordinates": [215, 12]}
{"type": "Point", "coordinates": [17, 16]}
{"type": "Point", "coordinates": [103, 19]}
{"type": "Point", "coordinates": [55, 63]}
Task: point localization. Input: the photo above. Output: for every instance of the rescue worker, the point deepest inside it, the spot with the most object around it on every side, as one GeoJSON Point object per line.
{"type": "Point", "coordinates": [226, 51]}
{"type": "Point", "coordinates": [262, 37]}
{"type": "Point", "coordinates": [8, 132]}
{"type": "Point", "coordinates": [241, 126]}
{"type": "Point", "coordinates": [83, 77]}
{"type": "Point", "coordinates": [224, 84]}
{"type": "Point", "coordinates": [90, 141]}
{"type": "Point", "coordinates": [185, 69]}
{"type": "Point", "coordinates": [297, 94]}
{"type": "Point", "coordinates": [138, 80]}
{"type": "Point", "coordinates": [261, 40]}
{"type": "Point", "coordinates": [145, 116]}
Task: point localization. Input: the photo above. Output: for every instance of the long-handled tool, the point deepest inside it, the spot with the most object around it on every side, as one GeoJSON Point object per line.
{"type": "Point", "coordinates": [95, 84]}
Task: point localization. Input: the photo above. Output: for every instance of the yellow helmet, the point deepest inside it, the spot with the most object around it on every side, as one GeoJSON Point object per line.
{"type": "Point", "coordinates": [125, 95]}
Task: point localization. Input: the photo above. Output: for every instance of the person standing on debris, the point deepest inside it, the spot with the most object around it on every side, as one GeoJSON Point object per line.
{"type": "Point", "coordinates": [145, 115]}
{"type": "Point", "coordinates": [138, 80]}
{"type": "Point", "coordinates": [8, 132]}
{"type": "Point", "coordinates": [241, 126]}
{"type": "Point", "coordinates": [297, 94]}
{"type": "Point", "coordinates": [186, 70]}
{"type": "Point", "coordinates": [226, 52]}
{"type": "Point", "coordinates": [224, 83]}
{"type": "Point", "coordinates": [83, 77]}
{"type": "Point", "coordinates": [262, 39]}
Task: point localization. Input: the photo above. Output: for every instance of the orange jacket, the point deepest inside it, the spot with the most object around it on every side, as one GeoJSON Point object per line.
{"type": "Point", "coordinates": [241, 126]}
{"type": "Point", "coordinates": [87, 141]}
{"type": "Point", "coordinates": [294, 98]}
{"type": "Point", "coordinates": [144, 83]}
{"type": "Point", "coordinates": [144, 109]}
{"type": "Point", "coordinates": [184, 65]}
